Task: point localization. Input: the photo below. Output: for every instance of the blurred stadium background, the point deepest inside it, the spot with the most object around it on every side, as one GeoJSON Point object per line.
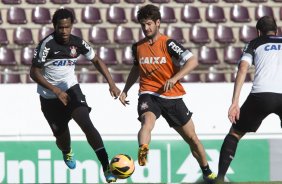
{"type": "Point", "coordinates": [214, 30]}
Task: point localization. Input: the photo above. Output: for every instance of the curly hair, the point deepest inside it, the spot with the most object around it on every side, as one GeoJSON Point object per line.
{"type": "Point", "coordinates": [148, 12]}
{"type": "Point", "coordinates": [62, 14]}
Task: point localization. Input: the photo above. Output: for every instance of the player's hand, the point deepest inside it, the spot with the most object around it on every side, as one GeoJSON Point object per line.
{"type": "Point", "coordinates": [122, 99]}
{"type": "Point", "coordinates": [169, 84]}
{"type": "Point", "coordinates": [62, 96]}
{"type": "Point", "coordinates": [115, 91]}
{"type": "Point", "coordinates": [233, 113]}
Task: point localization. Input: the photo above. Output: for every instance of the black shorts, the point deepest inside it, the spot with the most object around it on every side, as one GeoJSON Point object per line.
{"type": "Point", "coordinates": [173, 110]}
{"type": "Point", "coordinates": [256, 108]}
{"type": "Point", "coordinates": [59, 115]}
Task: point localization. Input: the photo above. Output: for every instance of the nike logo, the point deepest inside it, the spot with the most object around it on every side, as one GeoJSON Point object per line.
{"type": "Point", "coordinates": [82, 101]}
{"type": "Point", "coordinates": [56, 52]}
{"type": "Point", "coordinates": [151, 72]}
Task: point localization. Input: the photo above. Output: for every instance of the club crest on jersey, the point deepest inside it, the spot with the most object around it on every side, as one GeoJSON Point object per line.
{"type": "Point", "coordinates": [73, 52]}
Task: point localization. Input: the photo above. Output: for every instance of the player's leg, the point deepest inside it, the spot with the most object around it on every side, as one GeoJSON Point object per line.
{"type": "Point", "coordinates": [188, 133]}
{"type": "Point", "coordinates": [148, 120]}
{"type": "Point", "coordinates": [148, 112]}
{"type": "Point", "coordinates": [81, 116]}
{"type": "Point", "coordinates": [256, 107]}
{"type": "Point", "coordinates": [227, 152]}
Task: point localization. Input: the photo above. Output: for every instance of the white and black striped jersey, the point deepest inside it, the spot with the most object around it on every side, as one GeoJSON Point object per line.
{"type": "Point", "coordinates": [58, 62]}
{"type": "Point", "coordinates": [265, 53]}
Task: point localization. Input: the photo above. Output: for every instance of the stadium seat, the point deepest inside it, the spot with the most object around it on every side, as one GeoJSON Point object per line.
{"type": "Point", "coordinates": [77, 32]}
{"type": "Point", "coordinates": [215, 14]}
{"type": "Point", "coordinates": [277, 1]}
{"type": "Point", "coordinates": [263, 10]}
{"type": "Point", "coordinates": [208, 56]}
{"type": "Point", "coordinates": [191, 77]}
{"type": "Point", "coordinates": [41, 15]}
{"type": "Point", "coordinates": [1, 20]}
{"type": "Point", "coordinates": [123, 35]}
{"type": "Point", "coordinates": [7, 57]}
{"type": "Point", "coordinates": [209, 1]}
{"type": "Point", "coordinates": [3, 37]}
{"type": "Point", "coordinates": [61, 1]}
{"type": "Point", "coordinates": [233, 1]}
{"type": "Point", "coordinates": [16, 15]}
{"type": "Point", "coordinates": [239, 14]}
{"type": "Point", "coordinates": [258, 1]}
{"type": "Point", "coordinates": [175, 33]}
{"type": "Point", "coordinates": [224, 34]}
{"type": "Point", "coordinates": [167, 14]}
{"type": "Point", "coordinates": [85, 1]}
{"type": "Point", "coordinates": [247, 33]}
{"type": "Point", "coordinates": [135, 1]}
{"type": "Point", "coordinates": [98, 35]}
{"type": "Point", "coordinates": [91, 15]}
{"type": "Point", "coordinates": [232, 54]}
{"type": "Point", "coordinates": [36, 1]}
{"type": "Point", "coordinates": [141, 34]}
{"type": "Point", "coordinates": [108, 55]}
{"type": "Point", "coordinates": [44, 31]}
{"type": "Point", "coordinates": [199, 35]}
{"type": "Point", "coordinates": [26, 55]}
{"type": "Point", "coordinates": [159, 1]}
{"type": "Point", "coordinates": [110, 1]}
{"type": "Point", "coordinates": [190, 14]}
{"type": "Point", "coordinates": [10, 77]}
{"type": "Point", "coordinates": [85, 76]}
{"type": "Point", "coordinates": [133, 13]}
{"type": "Point", "coordinates": [247, 79]}
{"type": "Point", "coordinates": [126, 56]}
{"type": "Point", "coordinates": [23, 36]}
{"type": "Point", "coordinates": [215, 77]}
{"type": "Point", "coordinates": [11, 2]}
{"type": "Point", "coordinates": [184, 1]}
{"type": "Point", "coordinates": [116, 15]}
{"type": "Point", "coordinates": [117, 77]}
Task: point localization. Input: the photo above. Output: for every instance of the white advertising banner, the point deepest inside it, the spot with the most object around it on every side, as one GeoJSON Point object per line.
{"type": "Point", "coordinates": [20, 112]}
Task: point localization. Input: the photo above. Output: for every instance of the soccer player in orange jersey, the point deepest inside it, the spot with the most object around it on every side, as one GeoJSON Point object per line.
{"type": "Point", "coordinates": [161, 62]}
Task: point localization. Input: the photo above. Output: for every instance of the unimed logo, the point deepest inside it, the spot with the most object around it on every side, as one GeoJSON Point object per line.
{"type": "Point", "coordinates": [47, 170]}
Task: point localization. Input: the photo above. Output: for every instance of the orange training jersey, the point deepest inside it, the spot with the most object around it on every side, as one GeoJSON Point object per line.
{"type": "Point", "coordinates": [158, 63]}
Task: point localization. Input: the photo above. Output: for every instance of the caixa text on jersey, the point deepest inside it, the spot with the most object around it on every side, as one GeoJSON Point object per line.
{"type": "Point", "coordinates": [64, 62]}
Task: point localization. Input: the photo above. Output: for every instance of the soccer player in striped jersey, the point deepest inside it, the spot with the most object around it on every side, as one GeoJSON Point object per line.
{"type": "Point", "coordinates": [161, 62]}
{"type": "Point", "coordinates": [60, 94]}
{"type": "Point", "coordinates": [265, 53]}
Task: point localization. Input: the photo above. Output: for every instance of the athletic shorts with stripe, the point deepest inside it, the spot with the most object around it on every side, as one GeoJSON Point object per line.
{"type": "Point", "coordinates": [173, 110]}
{"type": "Point", "coordinates": [59, 115]}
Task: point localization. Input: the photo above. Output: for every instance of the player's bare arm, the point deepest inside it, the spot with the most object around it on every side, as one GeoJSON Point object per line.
{"type": "Point", "coordinates": [234, 110]}
{"type": "Point", "coordinates": [190, 65]}
{"type": "Point", "coordinates": [36, 75]}
{"type": "Point", "coordinates": [102, 68]}
{"type": "Point", "coordinates": [132, 78]}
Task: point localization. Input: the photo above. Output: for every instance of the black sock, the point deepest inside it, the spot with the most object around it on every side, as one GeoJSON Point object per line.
{"type": "Point", "coordinates": [206, 170]}
{"type": "Point", "coordinates": [66, 152]}
{"type": "Point", "coordinates": [227, 153]}
{"type": "Point", "coordinates": [103, 158]}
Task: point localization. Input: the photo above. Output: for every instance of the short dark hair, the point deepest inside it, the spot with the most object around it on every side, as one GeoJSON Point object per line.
{"type": "Point", "coordinates": [266, 24]}
{"type": "Point", "coordinates": [149, 12]}
{"type": "Point", "coordinates": [62, 14]}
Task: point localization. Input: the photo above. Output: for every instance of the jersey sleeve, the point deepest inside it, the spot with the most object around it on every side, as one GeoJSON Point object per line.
{"type": "Point", "coordinates": [134, 54]}
{"type": "Point", "coordinates": [40, 55]}
{"type": "Point", "coordinates": [248, 53]}
{"type": "Point", "coordinates": [178, 53]}
{"type": "Point", "coordinates": [87, 50]}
